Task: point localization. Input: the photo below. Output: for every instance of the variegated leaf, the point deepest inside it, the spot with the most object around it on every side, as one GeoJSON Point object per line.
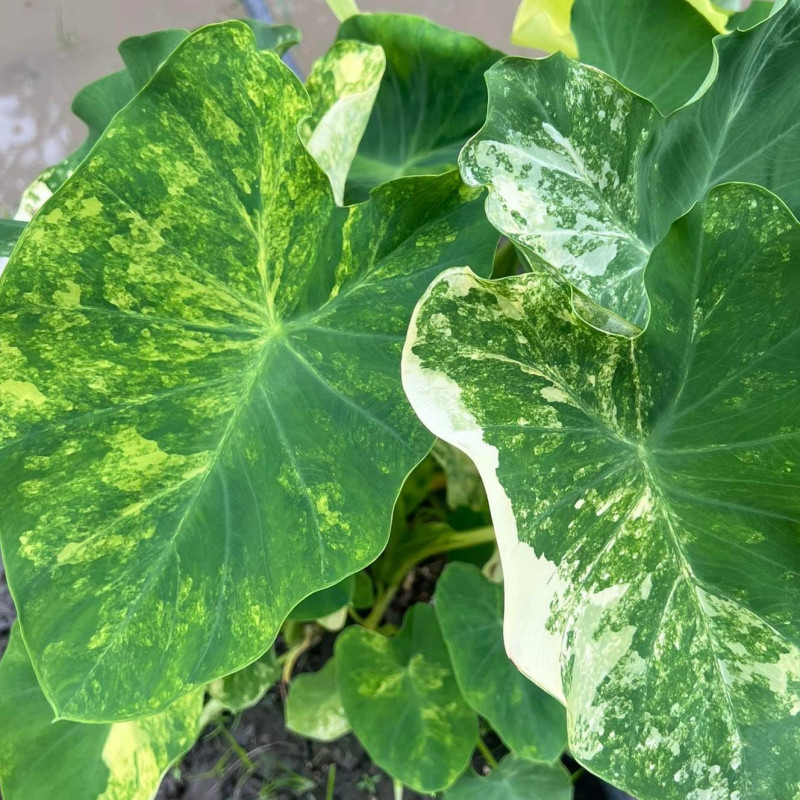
{"type": "Point", "coordinates": [203, 421]}
{"type": "Point", "coordinates": [645, 497]}
{"type": "Point", "coordinates": [586, 177]}
{"type": "Point", "coordinates": [41, 758]}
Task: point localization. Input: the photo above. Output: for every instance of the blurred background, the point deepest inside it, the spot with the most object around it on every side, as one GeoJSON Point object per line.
{"type": "Point", "coordinates": [49, 49]}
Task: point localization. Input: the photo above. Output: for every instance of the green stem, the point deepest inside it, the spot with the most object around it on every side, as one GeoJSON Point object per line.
{"type": "Point", "coordinates": [398, 790]}
{"type": "Point", "coordinates": [331, 782]}
{"type": "Point", "coordinates": [486, 753]}
{"type": "Point", "coordinates": [381, 605]}
{"type": "Point", "coordinates": [577, 775]}
{"type": "Point", "coordinates": [444, 544]}
{"type": "Point", "coordinates": [441, 544]}
{"type": "Point", "coordinates": [343, 8]}
{"type": "Point", "coordinates": [290, 656]}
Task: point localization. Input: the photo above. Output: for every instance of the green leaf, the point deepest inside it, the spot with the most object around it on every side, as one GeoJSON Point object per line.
{"type": "Point", "coordinates": [203, 421]}
{"type": "Point", "coordinates": [41, 758]}
{"type": "Point", "coordinates": [10, 231]}
{"type": "Point", "coordinates": [403, 702]}
{"type": "Point", "coordinates": [314, 705]}
{"type": "Point", "coordinates": [432, 98]}
{"type": "Point", "coordinates": [97, 103]}
{"type": "Point", "coordinates": [364, 591]}
{"type": "Point", "coordinates": [245, 688]}
{"type": "Point", "coordinates": [586, 177]}
{"type": "Point", "coordinates": [644, 496]}
{"type": "Point", "coordinates": [660, 49]}
{"type": "Point", "coordinates": [326, 602]}
{"type": "Point", "coordinates": [515, 779]}
{"type": "Point", "coordinates": [464, 487]}
{"type": "Point", "coordinates": [470, 612]}
{"type": "Point", "coordinates": [756, 12]}
{"type": "Point", "coordinates": [342, 87]}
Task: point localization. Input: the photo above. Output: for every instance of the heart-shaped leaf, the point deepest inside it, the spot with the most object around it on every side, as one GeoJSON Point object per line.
{"type": "Point", "coordinates": [203, 421]}
{"type": "Point", "coordinates": [432, 98]}
{"type": "Point", "coordinates": [41, 759]}
{"type": "Point", "coordinates": [644, 496]}
{"type": "Point", "coordinates": [403, 702]}
{"type": "Point", "coordinates": [314, 705]}
{"type": "Point", "coordinates": [470, 612]}
{"type": "Point", "coordinates": [586, 177]}
{"type": "Point", "coordinates": [515, 779]}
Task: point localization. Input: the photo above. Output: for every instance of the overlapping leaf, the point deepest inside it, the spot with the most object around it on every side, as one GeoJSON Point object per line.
{"type": "Point", "coordinates": [41, 758]}
{"type": "Point", "coordinates": [470, 612]}
{"type": "Point", "coordinates": [660, 49]}
{"type": "Point", "coordinates": [644, 496]}
{"type": "Point", "coordinates": [202, 416]}
{"type": "Point", "coordinates": [515, 779]}
{"type": "Point", "coordinates": [342, 86]}
{"type": "Point", "coordinates": [403, 702]}
{"type": "Point", "coordinates": [587, 177]}
{"type": "Point", "coordinates": [242, 689]}
{"type": "Point", "coordinates": [432, 98]}
{"type": "Point", "coordinates": [314, 705]}
{"type": "Point", "coordinates": [97, 103]}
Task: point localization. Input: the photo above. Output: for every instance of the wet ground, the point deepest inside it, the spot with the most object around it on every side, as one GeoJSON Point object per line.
{"type": "Point", "coordinates": [49, 49]}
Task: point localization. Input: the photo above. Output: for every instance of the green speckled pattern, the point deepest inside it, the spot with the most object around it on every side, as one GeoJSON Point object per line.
{"type": "Point", "coordinates": [41, 759]}
{"type": "Point", "coordinates": [403, 703]}
{"type": "Point", "coordinates": [587, 177]}
{"type": "Point", "coordinates": [431, 100]}
{"type": "Point", "coordinates": [515, 779]}
{"type": "Point", "coordinates": [203, 420]}
{"type": "Point", "coordinates": [645, 497]}
{"type": "Point", "coordinates": [469, 608]}
{"type": "Point", "coordinates": [342, 88]}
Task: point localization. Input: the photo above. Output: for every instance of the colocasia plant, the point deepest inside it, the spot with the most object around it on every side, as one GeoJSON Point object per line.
{"type": "Point", "coordinates": [239, 315]}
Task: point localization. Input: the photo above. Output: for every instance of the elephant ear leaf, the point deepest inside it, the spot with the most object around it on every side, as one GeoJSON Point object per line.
{"type": "Point", "coordinates": [586, 177]}
{"type": "Point", "coordinates": [187, 328]}
{"type": "Point", "coordinates": [84, 762]}
{"type": "Point", "coordinates": [644, 495]}
{"type": "Point", "coordinates": [419, 122]}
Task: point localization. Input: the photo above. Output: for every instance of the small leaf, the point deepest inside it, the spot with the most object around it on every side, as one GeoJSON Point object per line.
{"type": "Point", "coordinates": [328, 601]}
{"type": "Point", "coordinates": [587, 177]}
{"type": "Point", "coordinates": [42, 759]}
{"type": "Point", "coordinates": [403, 702]}
{"type": "Point", "coordinates": [515, 779]}
{"type": "Point", "coordinates": [470, 612]}
{"type": "Point", "coordinates": [203, 421]}
{"type": "Point", "coordinates": [314, 705]}
{"type": "Point", "coordinates": [245, 688]}
{"type": "Point", "coordinates": [342, 87]}
{"type": "Point", "coordinates": [644, 496]}
{"type": "Point", "coordinates": [420, 121]}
